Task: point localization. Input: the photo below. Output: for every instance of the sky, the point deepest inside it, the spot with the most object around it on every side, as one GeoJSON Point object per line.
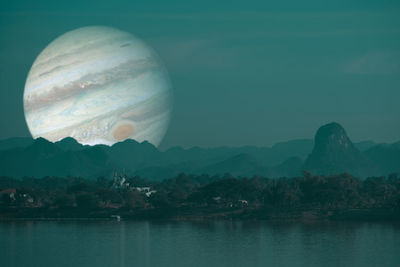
{"type": "Point", "coordinates": [243, 72]}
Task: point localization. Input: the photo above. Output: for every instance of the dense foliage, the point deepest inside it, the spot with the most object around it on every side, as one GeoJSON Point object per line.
{"type": "Point", "coordinates": [338, 196]}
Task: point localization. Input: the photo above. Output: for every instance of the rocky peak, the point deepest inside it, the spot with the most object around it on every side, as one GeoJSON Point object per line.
{"type": "Point", "coordinates": [334, 153]}
{"type": "Point", "coordinates": [331, 136]}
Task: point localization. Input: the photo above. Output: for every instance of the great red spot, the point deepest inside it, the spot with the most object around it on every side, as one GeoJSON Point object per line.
{"type": "Point", "coordinates": [123, 131]}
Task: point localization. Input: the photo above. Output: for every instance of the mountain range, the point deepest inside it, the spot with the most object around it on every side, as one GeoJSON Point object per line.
{"type": "Point", "coordinates": [330, 152]}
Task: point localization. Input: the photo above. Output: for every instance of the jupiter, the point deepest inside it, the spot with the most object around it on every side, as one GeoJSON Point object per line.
{"type": "Point", "coordinates": [99, 85]}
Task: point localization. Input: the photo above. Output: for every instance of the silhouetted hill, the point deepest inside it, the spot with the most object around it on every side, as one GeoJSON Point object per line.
{"type": "Point", "coordinates": [364, 145]}
{"type": "Point", "coordinates": [42, 148]}
{"type": "Point", "coordinates": [291, 167]}
{"type": "Point", "coordinates": [396, 145]}
{"type": "Point", "coordinates": [334, 153]}
{"type": "Point", "coordinates": [15, 142]}
{"type": "Point", "coordinates": [132, 155]}
{"type": "Point", "coordinates": [44, 158]}
{"type": "Point", "coordinates": [238, 165]}
{"type": "Point", "coordinates": [69, 144]}
{"type": "Point", "coordinates": [386, 156]}
{"type": "Point", "coordinates": [299, 148]}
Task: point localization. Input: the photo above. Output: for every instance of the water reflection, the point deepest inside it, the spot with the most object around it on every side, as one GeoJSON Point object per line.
{"type": "Point", "coordinates": [221, 243]}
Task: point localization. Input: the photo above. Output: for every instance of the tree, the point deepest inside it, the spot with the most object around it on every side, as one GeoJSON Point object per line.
{"type": "Point", "coordinates": [87, 200]}
{"type": "Point", "coordinates": [134, 199]}
{"type": "Point", "coordinates": [64, 200]}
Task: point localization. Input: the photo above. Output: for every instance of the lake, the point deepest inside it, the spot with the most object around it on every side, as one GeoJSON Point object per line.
{"type": "Point", "coordinates": [206, 244]}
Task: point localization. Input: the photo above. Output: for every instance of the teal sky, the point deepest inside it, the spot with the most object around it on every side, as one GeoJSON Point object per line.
{"type": "Point", "coordinates": [243, 72]}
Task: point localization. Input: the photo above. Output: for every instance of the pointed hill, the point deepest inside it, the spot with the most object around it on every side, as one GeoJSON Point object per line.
{"type": "Point", "coordinates": [334, 153]}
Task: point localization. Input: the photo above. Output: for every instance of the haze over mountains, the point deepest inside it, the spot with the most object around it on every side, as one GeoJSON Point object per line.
{"type": "Point", "coordinates": [332, 152]}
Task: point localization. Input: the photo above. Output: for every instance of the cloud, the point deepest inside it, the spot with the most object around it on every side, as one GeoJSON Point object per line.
{"type": "Point", "coordinates": [374, 63]}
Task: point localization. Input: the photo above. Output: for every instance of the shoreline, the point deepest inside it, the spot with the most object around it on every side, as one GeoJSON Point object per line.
{"type": "Point", "coordinates": [359, 215]}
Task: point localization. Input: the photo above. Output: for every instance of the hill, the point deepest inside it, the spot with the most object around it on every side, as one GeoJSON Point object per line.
{"type": "Point", "coordinates": [331, 152]}
{"type": "Point", "coordinates": [334, 153]}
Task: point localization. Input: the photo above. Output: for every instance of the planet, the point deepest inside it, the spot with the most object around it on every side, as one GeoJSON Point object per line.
{"type": "Point", "coordinates": [99, 85]}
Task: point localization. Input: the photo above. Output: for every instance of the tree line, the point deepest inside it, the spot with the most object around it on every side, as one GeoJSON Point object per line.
{"type": "Point", "coordinates": [201, 195]}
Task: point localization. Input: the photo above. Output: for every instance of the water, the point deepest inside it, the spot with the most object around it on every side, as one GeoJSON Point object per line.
{"type": "Point", "coordinates": [209, 244]}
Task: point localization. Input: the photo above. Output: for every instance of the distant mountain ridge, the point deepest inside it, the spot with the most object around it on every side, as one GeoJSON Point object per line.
{"type": "Point", "coordinates": [239, 165]}
{"type": "Point", "coordinates": [15, 142]}
{"type": "Point", "coordinates": [387, 156]}
{"type": "Point", "coordinates": [331, 152]}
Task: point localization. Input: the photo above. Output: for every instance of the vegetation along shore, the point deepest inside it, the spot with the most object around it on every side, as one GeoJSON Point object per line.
{"type": "Point", "coordinates": [197, 197]}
